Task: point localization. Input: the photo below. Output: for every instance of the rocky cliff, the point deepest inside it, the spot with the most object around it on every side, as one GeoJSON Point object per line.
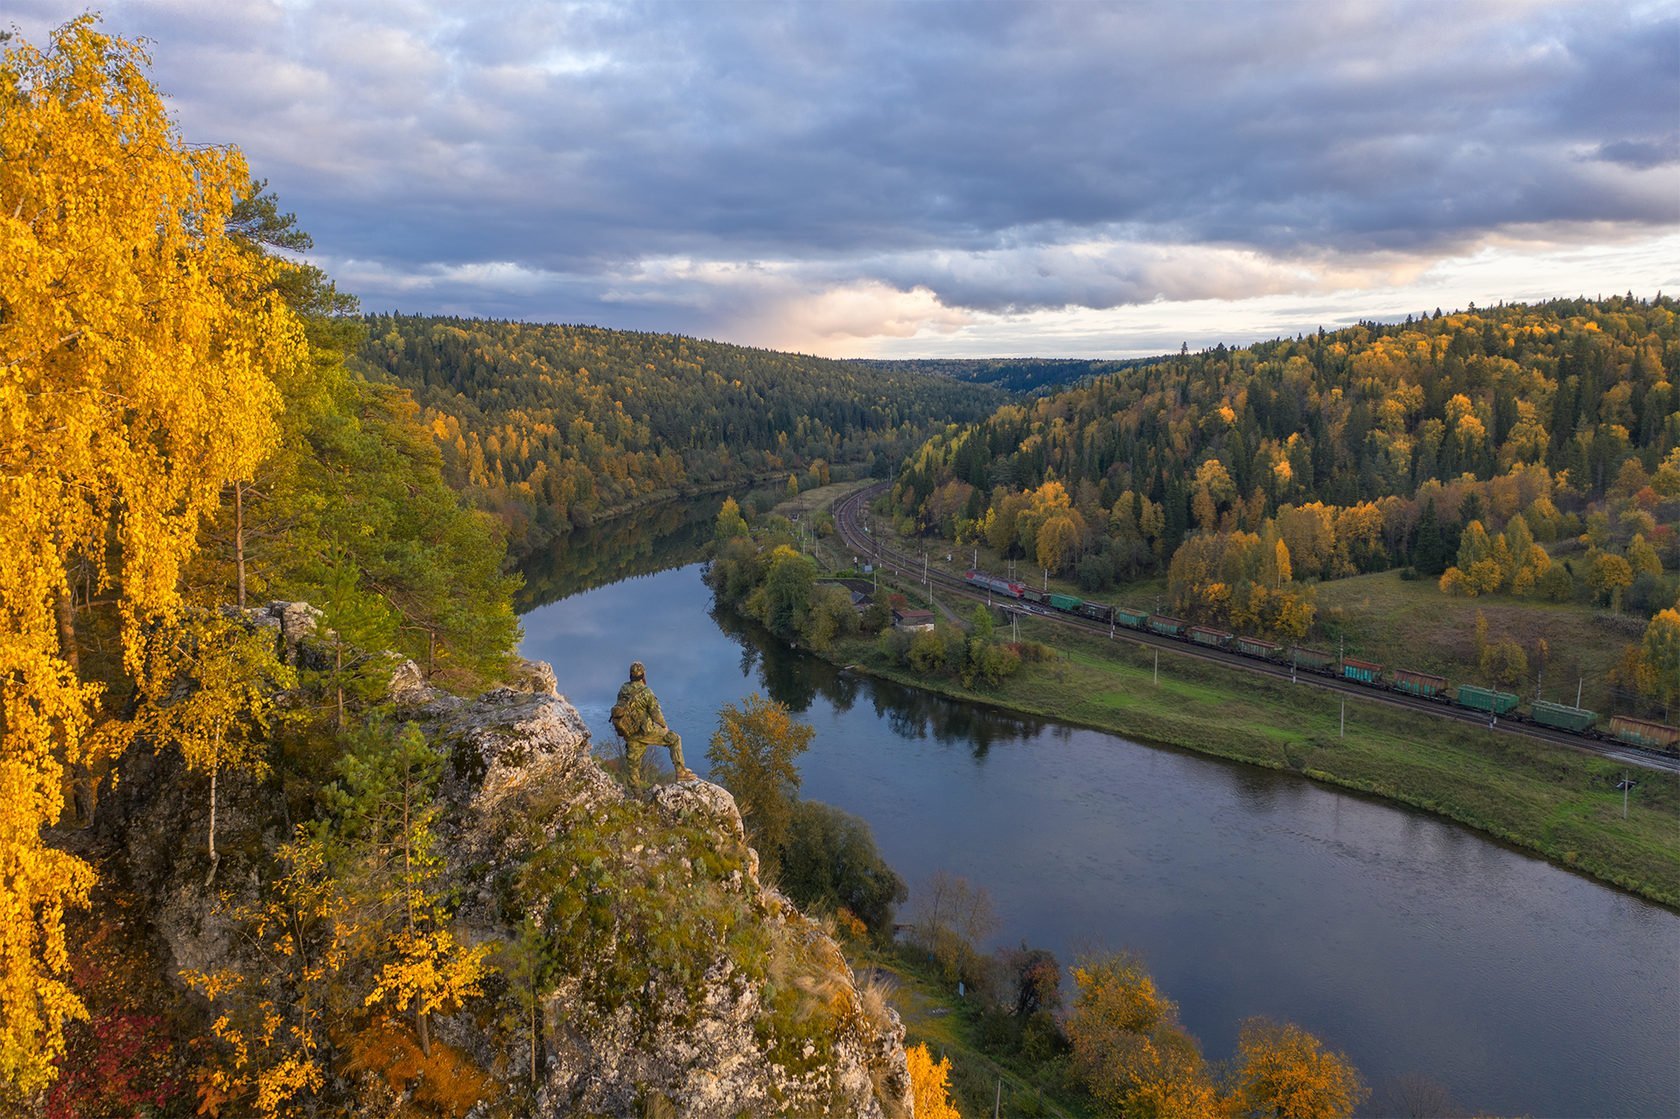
{"type": "Point", "coordinates": [659, 974]}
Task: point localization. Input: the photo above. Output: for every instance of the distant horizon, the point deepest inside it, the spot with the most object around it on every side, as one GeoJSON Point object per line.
{"type": "Point", "coordinates": [1390, 319]}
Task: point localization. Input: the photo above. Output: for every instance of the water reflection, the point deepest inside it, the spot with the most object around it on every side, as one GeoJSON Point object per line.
{"type": "Point", "coordinates": [798, 679]}
{"type": "Point", "coordinates": [671, 534]}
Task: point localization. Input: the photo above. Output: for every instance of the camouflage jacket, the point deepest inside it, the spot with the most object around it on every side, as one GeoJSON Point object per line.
{"type": "Point", "coordinates": [637, 711]}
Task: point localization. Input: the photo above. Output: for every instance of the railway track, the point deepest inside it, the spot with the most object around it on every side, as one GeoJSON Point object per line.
{"type": "Point", "coordinates": [849, 517]}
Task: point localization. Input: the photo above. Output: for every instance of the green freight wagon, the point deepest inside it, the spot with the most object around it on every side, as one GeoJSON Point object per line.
{"type": "Point", "coordinates": [1364, 672]}
{"type": "Point", "coordinates": [1129, 617]}
{"type": "Point", "coordinates": [1562, 716]}
{"type": "Point", "coordinates": [1255, 647]}
{"type": "Point", "coordinates": [1485, 699]}
{"type": "Point", "coordinates": [1310, 658]}
{"type": "Point", "coordinates": [1066, 602]}
{"type": "Point", "coordinates": [1419, 683]}
{"type": "Point", "coordinates": [1167, 627]}
{"type": "Point", "coordinates": [1205, 635]}
{"type": "Point", "coordinates": [1641, 732]}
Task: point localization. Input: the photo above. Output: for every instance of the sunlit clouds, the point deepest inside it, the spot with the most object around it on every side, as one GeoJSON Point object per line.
{"type": "Point", "coordinates": [946, 179]}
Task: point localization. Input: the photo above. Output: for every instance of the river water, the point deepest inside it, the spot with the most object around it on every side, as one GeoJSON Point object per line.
{"type": "Point", "coordinates": [1413, 945]}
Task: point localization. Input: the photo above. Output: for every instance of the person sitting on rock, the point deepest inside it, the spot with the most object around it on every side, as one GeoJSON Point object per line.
{"type": "Point", "coordinates": [640, 723]}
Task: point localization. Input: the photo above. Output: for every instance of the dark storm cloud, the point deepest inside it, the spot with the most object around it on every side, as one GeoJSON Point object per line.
{"type": "Point", "coordinates": [1006, 156]}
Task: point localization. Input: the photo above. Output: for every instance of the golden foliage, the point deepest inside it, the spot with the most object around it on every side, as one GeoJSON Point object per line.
{"type": "Point", "coordinates": [431, 972]}
{"type": "Point", "coordinates": [1284, 1072]}
{"type": "Point", "coordinates": [929, 1084]}
{"type": "Point", "coordinates": [445, 1080]}
{"type": "Point", "coordinates": [137, 354]}
{"type": "Point", "coordinates": [1129, 1048]}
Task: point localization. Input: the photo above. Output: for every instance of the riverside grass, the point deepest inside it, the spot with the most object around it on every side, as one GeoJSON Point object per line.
{"type": "Point", "coordinates": [1552, 801]}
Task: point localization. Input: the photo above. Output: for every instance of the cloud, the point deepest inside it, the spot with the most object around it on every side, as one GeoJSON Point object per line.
{"type": "Point", "coordinates": [738, 167]}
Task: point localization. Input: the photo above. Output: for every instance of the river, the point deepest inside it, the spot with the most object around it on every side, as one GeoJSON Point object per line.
{"type": "Point", "coordinates": [1412, 944]}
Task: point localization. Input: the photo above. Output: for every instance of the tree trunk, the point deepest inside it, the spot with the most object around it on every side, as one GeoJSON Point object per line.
{"type": "Point", "coordinates": [239, 540]}
{"type": "Point", "coordinates": [82, 785]}
{"type": "Point", "coordinates": [338, 679]}
{"type": "Point", "coordinates": [211, 877]}
{"type": "Point", "coordinates": [424, 1030]}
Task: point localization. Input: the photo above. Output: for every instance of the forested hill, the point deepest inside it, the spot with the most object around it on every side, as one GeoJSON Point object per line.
{"type": "Point", "coordinates": [552, 427]}
{"type": "Point", "coordinates": [1564, 392]}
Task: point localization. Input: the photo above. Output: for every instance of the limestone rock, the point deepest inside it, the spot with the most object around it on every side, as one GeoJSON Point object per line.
{"type": "Point", "coordinates": [675, 974]}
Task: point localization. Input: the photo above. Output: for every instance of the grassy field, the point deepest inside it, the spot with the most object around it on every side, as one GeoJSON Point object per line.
{"type": "Point", "coordinates": [1556, 802]}
{"type": "Point", "coordinates": [1410, 622]}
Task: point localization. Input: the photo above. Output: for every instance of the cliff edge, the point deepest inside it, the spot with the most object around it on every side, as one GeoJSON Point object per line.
{"type": "Point", "coordinates": [642, 965]}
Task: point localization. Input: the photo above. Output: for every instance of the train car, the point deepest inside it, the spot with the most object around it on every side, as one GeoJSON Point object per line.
{"type": "Point", "coordinates": [1255, 647]}
{"type": "Point", "coordinates": [1097, 611]}
{"type": "Point", "coordinates": [1643, 732]}
{"type": "Point", "coordinates": [1066, 603]}
{"type": "Point", "coordinates": [1424, 684]}
{"type": "Point", "coordinates": [1304, 657]}
{"type": "Point", "coordinates": [1165, 626]}
{"type": "Point", "coordinates": [1206, 635]}
{"type": "Point", "coordinates": [1362, 672]}
{"type": "Point", "coordinates": [1030, 595]}
{"type": "Point", "coordinates": [993, 583]}
{"type": "Point", "coordinates": [1132, 619]}
{"type": "Point", "coordinates": [1562, 716]}
{"type": "Point", "coordinates": [1485, 699]}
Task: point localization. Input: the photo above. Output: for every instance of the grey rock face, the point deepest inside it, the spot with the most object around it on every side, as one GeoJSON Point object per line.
{"type": "Point", "coordinates": [710, 1029]}
{"type": "Point", "coordinates": [708, 1048]}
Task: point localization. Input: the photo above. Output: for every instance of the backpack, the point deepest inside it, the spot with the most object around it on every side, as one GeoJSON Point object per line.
{"type": "Point", "coordinates": [629, 718]}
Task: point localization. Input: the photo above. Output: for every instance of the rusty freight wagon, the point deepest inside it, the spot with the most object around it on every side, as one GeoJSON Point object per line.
{"type": "Point", "coordinates": [1424, 684]}
{"type": "Point", "coordinates": [1363, 672]}
{"type": "Point", "coordinates": [1255, 647]}
{"type": "Point", "coordinates": [1315, 659]}
{"type": "Point", "coordinates": [1642, 732]}
{"type": "Point", "coordinates": [1206, 635]}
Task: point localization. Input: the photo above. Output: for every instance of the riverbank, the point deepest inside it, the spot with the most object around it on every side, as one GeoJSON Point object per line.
{"type": "Point", "coordinates": [1562, 805]}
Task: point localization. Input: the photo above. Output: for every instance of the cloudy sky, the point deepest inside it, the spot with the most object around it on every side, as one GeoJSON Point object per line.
{"type": "Point", "coordinates": [940, 179]}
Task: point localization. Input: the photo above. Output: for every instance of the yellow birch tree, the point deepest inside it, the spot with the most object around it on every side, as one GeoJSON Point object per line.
{"type": "Point", "coordinates": [138, 347]}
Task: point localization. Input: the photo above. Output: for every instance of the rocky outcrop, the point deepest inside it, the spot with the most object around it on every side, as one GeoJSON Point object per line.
{"type": "Point", "coordinates": [668, 979]}
{"type": "Point", "coordinates": [694, 984]}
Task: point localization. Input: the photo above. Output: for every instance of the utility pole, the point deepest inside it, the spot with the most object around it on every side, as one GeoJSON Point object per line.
{"type": "Point", "coordinates": [1578, 684]}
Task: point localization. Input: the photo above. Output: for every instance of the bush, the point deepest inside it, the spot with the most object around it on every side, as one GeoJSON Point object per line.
{"type": "Point", "coordinates": [831, 863]}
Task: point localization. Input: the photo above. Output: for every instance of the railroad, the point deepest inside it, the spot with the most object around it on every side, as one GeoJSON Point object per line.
{"type": "Point", "coordinates": [849, 521]}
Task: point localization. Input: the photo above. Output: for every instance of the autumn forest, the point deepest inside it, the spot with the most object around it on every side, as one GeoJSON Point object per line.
{"type": "Point", "coordinates": [245, 518]}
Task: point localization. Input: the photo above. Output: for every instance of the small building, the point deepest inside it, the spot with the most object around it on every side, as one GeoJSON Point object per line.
{"type": "Point", "coordinates": [913, 619]}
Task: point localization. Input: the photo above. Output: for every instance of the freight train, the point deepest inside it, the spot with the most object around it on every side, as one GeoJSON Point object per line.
{"type": "Point", "coordinates": [1640, 733]}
